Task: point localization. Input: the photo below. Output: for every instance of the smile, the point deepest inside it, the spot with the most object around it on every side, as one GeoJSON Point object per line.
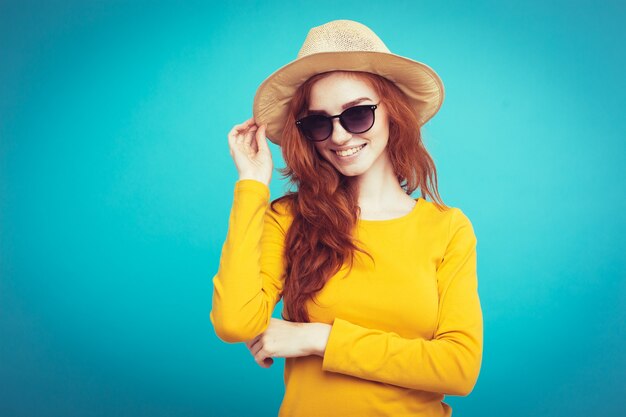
{"type": "Point", "coordinates": [349, 152]}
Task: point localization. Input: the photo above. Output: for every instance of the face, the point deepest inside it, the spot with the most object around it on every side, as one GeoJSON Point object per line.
{"type": "Point", "coordinates": [329, 95]}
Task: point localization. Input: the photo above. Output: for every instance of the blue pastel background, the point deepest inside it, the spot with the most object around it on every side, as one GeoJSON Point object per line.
{"type": "Point", "coordinates": [116, 184]}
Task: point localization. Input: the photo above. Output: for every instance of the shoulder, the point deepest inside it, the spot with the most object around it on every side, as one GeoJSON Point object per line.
{"type": "Point", "coordinates": [447, 221]}
{"type": "Point", "coordinates": [280, 212]}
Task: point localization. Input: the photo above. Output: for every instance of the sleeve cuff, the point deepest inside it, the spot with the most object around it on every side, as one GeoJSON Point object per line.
{"type": "Point", "coordinates": [338, 345]}
{"type": "Point", "coordinates": [253, 186]}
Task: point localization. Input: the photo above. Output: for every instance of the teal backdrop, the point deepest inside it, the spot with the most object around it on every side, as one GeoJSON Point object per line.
{"type": "Point", "coordinates": [116, 185]}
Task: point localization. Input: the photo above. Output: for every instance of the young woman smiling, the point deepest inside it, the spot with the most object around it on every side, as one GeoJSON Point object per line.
{"type": "Point", "coordinates": [381, 313]}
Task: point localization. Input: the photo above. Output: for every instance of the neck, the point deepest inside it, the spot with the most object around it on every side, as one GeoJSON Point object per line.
{"type": "Point", "coordinates": [379, 187]}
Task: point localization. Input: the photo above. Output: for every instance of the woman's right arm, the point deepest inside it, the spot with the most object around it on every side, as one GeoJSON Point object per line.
{"type": "Point", "coordinates": [248, 283]}
{"type": "Point", "coordinates": [249, 280]}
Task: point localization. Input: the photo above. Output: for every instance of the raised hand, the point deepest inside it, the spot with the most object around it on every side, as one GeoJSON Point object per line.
{"type": "Point", "coordinates": [250, 151]}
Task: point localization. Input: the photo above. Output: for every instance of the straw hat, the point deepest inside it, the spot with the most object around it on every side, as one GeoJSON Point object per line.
{"type": "Point", "coordinates": [351, 46]}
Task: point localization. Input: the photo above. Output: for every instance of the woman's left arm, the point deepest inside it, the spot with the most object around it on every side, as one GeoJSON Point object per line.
{"type": "Point", "coordinates": [450, 362]}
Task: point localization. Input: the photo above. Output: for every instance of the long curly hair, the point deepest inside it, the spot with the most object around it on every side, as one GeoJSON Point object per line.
{"type": "Point", "coordinates": [325, 206]}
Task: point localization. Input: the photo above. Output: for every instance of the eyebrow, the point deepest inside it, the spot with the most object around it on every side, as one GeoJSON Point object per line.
{"type": "Point", "coordinates": [345, 106]}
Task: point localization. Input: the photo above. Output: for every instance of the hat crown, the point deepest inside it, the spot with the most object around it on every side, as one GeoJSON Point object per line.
{"type": "Point", "coordinates": [341, 36]}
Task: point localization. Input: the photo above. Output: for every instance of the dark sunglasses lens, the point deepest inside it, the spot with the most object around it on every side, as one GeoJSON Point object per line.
{"type": "Point", "coordinates": [358, 119]}
{"type": "Point", "coordinates": [316, 127]}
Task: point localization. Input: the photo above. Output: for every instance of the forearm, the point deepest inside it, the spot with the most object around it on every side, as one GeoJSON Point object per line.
{"type": "Point", "coordinates": [449, 364]}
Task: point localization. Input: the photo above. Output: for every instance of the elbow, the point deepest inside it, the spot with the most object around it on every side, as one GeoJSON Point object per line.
{"type": "Point", "coordinates": [462, 388]}
{"type": "Point", "coordinates": [231, 332]}
{"type": "Point", "coordinates": [464, 384]}
{"type": "Point", "coordinates": [466, 369]}
{"type": "Point", "coordinates": [228, 335]}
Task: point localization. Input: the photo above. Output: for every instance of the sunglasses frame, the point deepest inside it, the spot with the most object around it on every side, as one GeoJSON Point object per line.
{"type": "Point", "coordinates": [372, 107]}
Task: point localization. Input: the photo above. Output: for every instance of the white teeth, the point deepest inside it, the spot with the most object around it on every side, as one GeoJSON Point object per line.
{"type": "Point", "coordinates": [350, 151]}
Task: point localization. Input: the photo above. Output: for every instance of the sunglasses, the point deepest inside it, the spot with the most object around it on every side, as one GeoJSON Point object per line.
{"type": "Point", "coordinates": [357, 119]}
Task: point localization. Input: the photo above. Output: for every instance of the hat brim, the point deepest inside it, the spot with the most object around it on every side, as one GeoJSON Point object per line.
{"type": "Point", "coordinates": [417, 80]}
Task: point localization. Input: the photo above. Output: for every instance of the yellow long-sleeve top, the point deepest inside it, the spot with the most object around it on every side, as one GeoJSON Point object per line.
{"type": "Point", "coordinates": [405, 331]}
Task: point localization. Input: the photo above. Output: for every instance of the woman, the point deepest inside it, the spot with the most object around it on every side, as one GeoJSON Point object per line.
{"type": "Point", "coordinates": [381, 307]}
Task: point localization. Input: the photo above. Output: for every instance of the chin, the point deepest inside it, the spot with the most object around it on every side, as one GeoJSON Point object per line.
{"type": "Point", "coordinates": [349, 170]}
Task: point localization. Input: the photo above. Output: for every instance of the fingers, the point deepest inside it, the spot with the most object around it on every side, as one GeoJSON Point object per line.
{"type": "Point", "coordinates": [237, 133]}
{"type": "Point", "coordinates": [244, 125]}
{"type": "Point", "coordinates": [261, 138]}
{"type": "Point", "coordinates": [262, 360]}
{"type": "Point", "coordinates": [260, 356]}
{"type": "Point", "coordinates": [251, 342]}
{"type": "Point", "coordinates": [248, 139]}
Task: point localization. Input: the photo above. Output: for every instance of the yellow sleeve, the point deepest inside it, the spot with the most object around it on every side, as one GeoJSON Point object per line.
{"type": "Point", "coordinates": [249, 280]}
{"type": "Point", "coordinates": [450, 362]}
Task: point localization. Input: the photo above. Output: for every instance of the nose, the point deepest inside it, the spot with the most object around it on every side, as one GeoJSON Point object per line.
{"type": "Point", "coordinates": [340, 135]}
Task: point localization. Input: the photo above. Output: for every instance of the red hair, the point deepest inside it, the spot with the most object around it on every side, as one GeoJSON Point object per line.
{"type": "Point", "coordinates": [325, 207]}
